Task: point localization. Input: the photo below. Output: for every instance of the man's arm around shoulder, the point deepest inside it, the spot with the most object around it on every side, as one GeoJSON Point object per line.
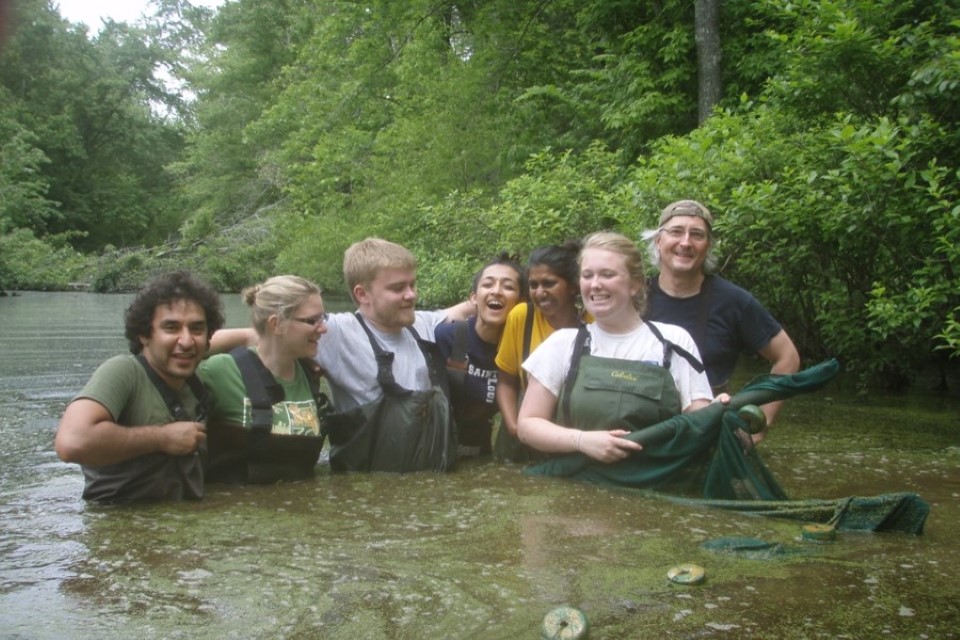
{"type": "Point", "coordinates": [226, 340]}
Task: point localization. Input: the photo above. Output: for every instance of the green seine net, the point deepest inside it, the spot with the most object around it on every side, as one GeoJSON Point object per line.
{"type": "Point", "coordinates": [699, 459]}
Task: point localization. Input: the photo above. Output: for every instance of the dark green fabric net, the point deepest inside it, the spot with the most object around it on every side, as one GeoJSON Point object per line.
{"type": "Point", "coordinates": [699, 459]}
{"type": "Point", "coordinates": [750, 548]}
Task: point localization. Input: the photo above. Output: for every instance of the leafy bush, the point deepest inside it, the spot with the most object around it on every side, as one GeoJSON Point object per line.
{"type": "Point", "coordinates": [559, 198]}
{"type": "Point", "coordinates": [29, 263]}
{"type": "Point", "coordinates": [843, 231]}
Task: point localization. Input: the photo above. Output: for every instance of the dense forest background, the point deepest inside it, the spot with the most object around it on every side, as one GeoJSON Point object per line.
{"type": "Point", "coordinates": [267, 136]}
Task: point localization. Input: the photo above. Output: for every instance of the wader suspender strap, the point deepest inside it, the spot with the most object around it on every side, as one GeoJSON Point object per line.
{"type": "Point", "coordinates": [527, 338]}
{"type": "Point", "coordinates": [262, 388]}
{"type": "Point", "coordinates": [172, 399]}
{"type": "Point", "coordinates": [669, 347]}
{"type": "Point", "coordinates": [385, 361]}
{"type": "Point", "coordinates": [580, 345]}
{"type": "Point", "coordinates": [309, 367]}
{"type": "Point", "coordinates": [457, 362]}
{"type": "Point", "coordinates": [264, 391]}
{"type": "Point", "coordinates": [699, 334]}
{"type": "Point", "coordinates": [385, 374]}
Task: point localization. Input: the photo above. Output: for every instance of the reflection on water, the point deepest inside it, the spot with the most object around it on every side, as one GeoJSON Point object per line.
{"type": "Point", "coordinates": [483, 552]}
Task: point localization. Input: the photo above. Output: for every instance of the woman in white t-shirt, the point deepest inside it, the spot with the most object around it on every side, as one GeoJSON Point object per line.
{"type": "Point", "coordinates": [590, 386]}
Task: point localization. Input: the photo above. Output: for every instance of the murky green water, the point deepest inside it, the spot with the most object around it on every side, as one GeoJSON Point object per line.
{"type": "Point", "coordinates": [481, 553]}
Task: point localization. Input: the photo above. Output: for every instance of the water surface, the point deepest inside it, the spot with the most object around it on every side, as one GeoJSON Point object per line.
{"type": "Point", "coordinates": [481, 553]}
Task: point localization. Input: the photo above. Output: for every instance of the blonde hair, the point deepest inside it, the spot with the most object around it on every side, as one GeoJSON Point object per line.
{"type": "Point", "coordinates": [363, 260]}
{"type": "Point", "coordinates": [632, 256]}
{"type": "Point", "coordinates": [279, 295]}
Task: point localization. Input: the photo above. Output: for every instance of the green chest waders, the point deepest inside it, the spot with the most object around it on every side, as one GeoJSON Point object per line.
{"type": "Point", "coordinates": [610, 393]}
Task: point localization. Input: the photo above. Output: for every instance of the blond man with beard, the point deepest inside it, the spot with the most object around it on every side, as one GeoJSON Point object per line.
{"type": "Point", "coordinates": [382, 279]}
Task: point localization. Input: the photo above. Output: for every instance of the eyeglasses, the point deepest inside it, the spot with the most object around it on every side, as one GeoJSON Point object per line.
{"type": "Point", "coordinates": [677, 233]}
{"type": "Point", "coordinates": [315, 321]}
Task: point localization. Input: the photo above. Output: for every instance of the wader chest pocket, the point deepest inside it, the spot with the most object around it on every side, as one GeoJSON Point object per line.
{"type": "Point", "coordinates": [612, 393]}
{"type": "Point", "coordinates": [619, 380]}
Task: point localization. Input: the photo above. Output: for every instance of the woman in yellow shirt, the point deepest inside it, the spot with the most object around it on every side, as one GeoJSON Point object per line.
{"type": "Point", "coordinates": [553, 282]}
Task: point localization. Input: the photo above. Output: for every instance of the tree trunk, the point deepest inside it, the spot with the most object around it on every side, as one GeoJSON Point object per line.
{"type": "Point", "coordinates": [709, 81]}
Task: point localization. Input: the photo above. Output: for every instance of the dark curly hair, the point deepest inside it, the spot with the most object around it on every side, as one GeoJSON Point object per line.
{"type": "Point", "coordinates": [164, 289]}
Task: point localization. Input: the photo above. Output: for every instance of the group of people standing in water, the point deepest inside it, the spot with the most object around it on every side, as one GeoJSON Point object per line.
{"type": "Point", "coordinates": [572, 351]}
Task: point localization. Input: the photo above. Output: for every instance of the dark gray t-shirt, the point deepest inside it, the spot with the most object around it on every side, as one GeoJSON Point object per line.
{"type": "Point", "coordinates": [724, 323]}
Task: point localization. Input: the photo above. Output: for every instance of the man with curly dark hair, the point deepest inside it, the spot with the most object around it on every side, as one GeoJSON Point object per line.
{"type": "Point", "coordinates": [136, 428]}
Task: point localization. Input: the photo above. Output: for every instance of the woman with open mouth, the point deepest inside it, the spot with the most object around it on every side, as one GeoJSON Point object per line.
{"type": "Point", "coordinates": [470, 347]}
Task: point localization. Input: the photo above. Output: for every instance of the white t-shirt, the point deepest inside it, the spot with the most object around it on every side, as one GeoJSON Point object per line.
{"type": "Point", "coordinates": [550, 362]}
{"type": "Point", "coordinates": [350, 364]}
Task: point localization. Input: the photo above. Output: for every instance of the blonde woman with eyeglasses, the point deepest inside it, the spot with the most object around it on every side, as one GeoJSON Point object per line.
{"type": "Point", "coordinates": [723, 319]}
{"type": "Point", "coordinates": [263, 406]}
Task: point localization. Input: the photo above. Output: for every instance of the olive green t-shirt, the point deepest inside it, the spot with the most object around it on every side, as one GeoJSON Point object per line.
{"type": "Point", "coordinates": [123, 387]}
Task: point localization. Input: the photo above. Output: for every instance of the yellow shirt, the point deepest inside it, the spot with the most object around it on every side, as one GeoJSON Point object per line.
{"type": "Point", "coordinates": [510, 351]}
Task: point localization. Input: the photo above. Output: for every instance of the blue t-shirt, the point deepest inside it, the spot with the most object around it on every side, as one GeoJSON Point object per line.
{"type": "Point", "coordinates": [732, 323]}
{"type": "Point", "coordinates": [476, 404]}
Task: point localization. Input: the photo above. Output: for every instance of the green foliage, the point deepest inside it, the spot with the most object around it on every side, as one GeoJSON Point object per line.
{"type": "Point", "coordinates": [23, 188]}
{"type": "Point", "coordinates": [464, 129]}
{"type": "Point", "coordinates": [926, 305]}
{"type": "Point", "coordinates": [559, 198]}
{"type": "Point", "coordinates": [632, 77]}
{"type": "Point", "coordinates": [404, 116]}
{"type": "Point", "coordinates": [848, 56]}
{"type": "Point", "coordinates": [232, 259]}
{"type": "Point", "coordinates": [87, 106]}
{"type": "Point", "coordinates": [238, 257]}
{"type": "Point", "coordinates": [120, 270]}
{"type": "Point", "coordinates": [29, 263]}
{"type": "Point", "coordinates": [223, 177]}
